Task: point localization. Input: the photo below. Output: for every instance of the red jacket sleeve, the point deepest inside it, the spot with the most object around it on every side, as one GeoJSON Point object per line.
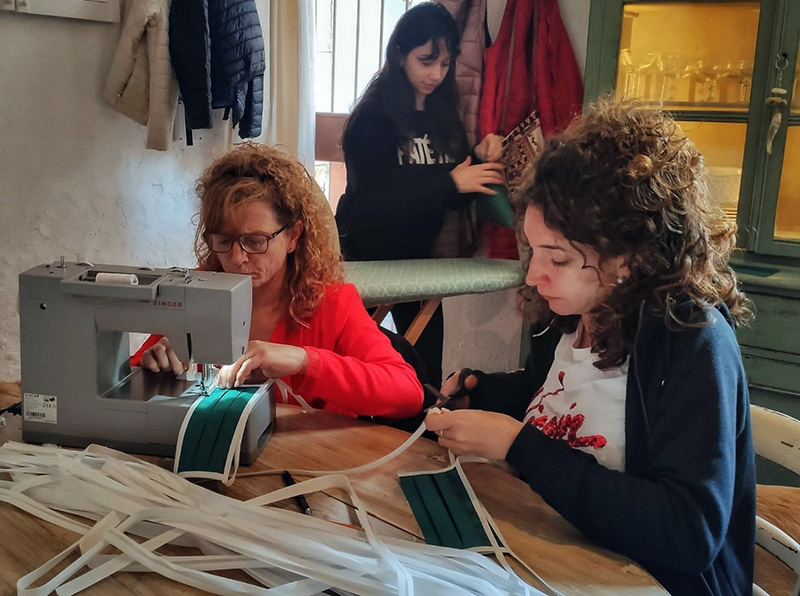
{"type": "Point", "coordinates": [363, 374]}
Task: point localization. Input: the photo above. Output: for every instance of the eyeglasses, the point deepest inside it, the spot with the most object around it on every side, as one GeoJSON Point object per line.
{"type": "Point", "coordinates": [254, 244]}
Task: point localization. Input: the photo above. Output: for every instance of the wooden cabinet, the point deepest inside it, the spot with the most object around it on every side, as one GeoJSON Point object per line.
{"type": "Point", "coordinates": [771, 344]}
{"type": "Point", "coordinates": [728, 71]}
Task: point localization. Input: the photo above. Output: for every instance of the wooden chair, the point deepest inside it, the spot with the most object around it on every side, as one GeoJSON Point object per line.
{"type": "Point", "coordinates": [776, 437]}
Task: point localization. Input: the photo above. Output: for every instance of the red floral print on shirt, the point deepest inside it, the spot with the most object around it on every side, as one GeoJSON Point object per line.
{"type": "Point", "coordinates": [565, 426]}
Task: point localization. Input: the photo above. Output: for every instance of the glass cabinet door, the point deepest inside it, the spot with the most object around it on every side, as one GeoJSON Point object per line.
{"type": "Point", "coordinates": [696, 60]}
{"type": "Point", "coordinates": [787, 214]}
{"type": "Point", "coordinates": [688, 55]}
{"type": "Point", "coordinates": [713, 64]}
{"type": "Point", "coordinates": [782, 222]}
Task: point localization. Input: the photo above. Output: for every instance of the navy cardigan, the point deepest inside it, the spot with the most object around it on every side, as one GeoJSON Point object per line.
{"type": "Point", "coordinates": [685, 506]}
{"type": "Point", "coordinates": [217, 52]}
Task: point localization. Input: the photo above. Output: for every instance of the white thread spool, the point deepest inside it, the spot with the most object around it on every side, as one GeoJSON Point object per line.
{"type": "Point", "coordinates": [117, 279]}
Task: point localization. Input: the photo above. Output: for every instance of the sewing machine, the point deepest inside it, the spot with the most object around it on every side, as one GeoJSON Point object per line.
{"type": "Point", "coordinates": [77, 384]}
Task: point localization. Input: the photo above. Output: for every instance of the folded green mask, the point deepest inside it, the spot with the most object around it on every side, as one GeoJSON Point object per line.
{"type": "Point", "coordinates": [443, 509]}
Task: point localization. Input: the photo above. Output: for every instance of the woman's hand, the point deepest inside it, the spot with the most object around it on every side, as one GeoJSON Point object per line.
{"type": "Point", "coordinates": [272, 360]}
{"type": "Point", "coordinates": [474, 432]}
{"type": "Point", "coordinates": [490, 148]}
{"type": "Point", "coordinates": [450, 386]}
{"type": "Point", "coordinates": [469, 178]}
{"type": "Point", "coordinates": [161, 357]}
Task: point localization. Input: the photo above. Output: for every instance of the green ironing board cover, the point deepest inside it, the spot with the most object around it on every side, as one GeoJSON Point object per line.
{"type": "Point", "coordinates": [383, 282]}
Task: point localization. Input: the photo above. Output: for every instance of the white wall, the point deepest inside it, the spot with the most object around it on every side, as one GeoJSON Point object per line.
{"type": "Point", "coordinates": [575, 14]}
{"type": "Point", "coordinates": [76, 180]}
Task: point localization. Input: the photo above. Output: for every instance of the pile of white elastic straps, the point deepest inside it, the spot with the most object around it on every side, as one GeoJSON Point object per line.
{"type": "Point", "coordinates": [288, 553]}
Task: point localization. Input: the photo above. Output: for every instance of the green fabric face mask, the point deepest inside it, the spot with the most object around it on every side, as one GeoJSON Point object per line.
{"type": "Point", "coordinates": [209, 433]}
{"type": "Point", "coordinates": [443, 509]}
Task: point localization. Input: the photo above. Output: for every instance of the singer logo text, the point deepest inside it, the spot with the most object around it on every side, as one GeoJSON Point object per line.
{"type": "Point", "coordinates": [168, 303]}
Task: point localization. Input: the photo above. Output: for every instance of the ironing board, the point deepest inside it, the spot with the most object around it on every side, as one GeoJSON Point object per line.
{"type": "Point", "coordinates": [386, 283]}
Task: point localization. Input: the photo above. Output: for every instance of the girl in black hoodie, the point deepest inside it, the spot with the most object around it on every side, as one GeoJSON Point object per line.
{"type": "Point", "coordinates": [409, 168]}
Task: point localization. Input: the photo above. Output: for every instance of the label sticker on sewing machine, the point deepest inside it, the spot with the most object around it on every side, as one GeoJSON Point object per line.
{"type": "Point", "coordinates": [40, 408]}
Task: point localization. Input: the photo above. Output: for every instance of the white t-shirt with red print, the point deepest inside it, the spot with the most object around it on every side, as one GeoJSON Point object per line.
{"type": "Point", "coordinates": [582, 404]}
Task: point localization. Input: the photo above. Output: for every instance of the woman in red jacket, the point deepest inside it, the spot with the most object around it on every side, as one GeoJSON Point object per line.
{"type": "Point", "coordinates": [259, 216]}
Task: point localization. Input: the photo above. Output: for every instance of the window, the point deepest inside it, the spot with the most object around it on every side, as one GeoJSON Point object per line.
{"type": "Point", "coordinates": [349, 49]}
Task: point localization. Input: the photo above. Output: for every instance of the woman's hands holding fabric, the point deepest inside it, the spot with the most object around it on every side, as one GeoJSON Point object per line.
{"type": "Point", "coordinates": [272, 360]}
{"type": "Point", "coordinates": [490, 148]}
{"type": "Point", "coordinates": [474, 432]}
{"type": "Point", "coordinates": [476, 178]}
{"type": "Point", "coordinates": [161, 357]}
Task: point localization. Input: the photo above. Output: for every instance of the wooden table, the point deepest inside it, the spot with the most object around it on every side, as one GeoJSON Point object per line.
{"type": "Point", "coordinates": [385, 283]}
{"type": "Point", "coordinates": [540, 536]}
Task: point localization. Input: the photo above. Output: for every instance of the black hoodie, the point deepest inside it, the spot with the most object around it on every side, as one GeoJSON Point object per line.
{"type": "Point", "coordinates": [395, 200]}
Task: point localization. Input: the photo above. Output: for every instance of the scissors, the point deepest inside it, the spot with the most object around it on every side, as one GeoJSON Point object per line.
{"type": "Point", "coordinates": [442, 400]}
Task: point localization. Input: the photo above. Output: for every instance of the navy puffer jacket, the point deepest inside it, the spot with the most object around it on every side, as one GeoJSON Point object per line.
{"type": "Point", "coordinates": [217, 52]}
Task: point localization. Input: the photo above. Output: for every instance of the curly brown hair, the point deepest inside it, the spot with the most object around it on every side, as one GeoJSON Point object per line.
{"type": "Point", "coordinates": [625, 180]}
{"type": "Point", "coordinates": [253, 172]}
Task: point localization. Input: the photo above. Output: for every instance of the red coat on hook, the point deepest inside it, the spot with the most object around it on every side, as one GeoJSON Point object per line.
{"type": "Point", "coordinates": [545, 78]}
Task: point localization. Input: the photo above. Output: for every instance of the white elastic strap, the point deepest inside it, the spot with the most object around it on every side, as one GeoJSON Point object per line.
{"type": "Point", "coordinates": [489, 526]}
{"type": "Point", "coordinates": [28, 505]}
{"type": "Point", "coordinates": [342, 482]}
{"type": "Point", "coordinates": [112, 564]}
{"type": "Point", "coordinates": [487, 522]}
{"type": "Point", "coordinates": [492, 530]}
{"type": "Point", "coordinates": [286, 391]}
{"type": "Point", "coordinates": [292, 553]}
{"type": "Point", "coordinates": [365, 468]}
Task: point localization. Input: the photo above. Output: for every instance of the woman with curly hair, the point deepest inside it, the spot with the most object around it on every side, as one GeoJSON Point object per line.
{"type": "Point", "coordinates": [261, 215]}
{"type": "Point", "coordinates": [631, 416]}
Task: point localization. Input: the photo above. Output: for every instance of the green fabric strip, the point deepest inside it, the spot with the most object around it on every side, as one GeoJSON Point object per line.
{"type": "Point", "coordinates": [216, 430]}
{"type": "Point", "coordinates": [434, 503]}
{"type": "Point", "coordinates": [211, 428]}
{"type": "Point", "coordinates": [194, 430]}
{"type": "Point", "coordinates": [458, 503]}
{"type": "Point", "coordinates": [424, 520]}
